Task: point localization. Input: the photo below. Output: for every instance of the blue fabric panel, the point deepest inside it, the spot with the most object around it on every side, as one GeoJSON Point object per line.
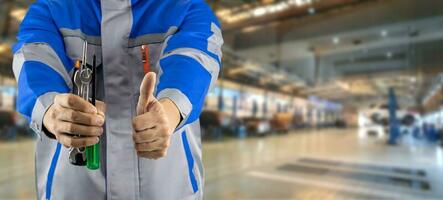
{"type": "Point", "coordinates": [36, 79]}
{"type": "Point", "coordinates": [74, 14]}
{"type": "Point", "coordinates": [160, 15]}
{"type": "Point", "coordinates": [188, 76]}
{"type": "Point", "coordinates": [195, 29]}
{"type": "Point", "coordinates": [190, 160]}
{"type": "Point", "coordinates": [38, 27]}
{"type": "Point", "coordinates": [51, 171]}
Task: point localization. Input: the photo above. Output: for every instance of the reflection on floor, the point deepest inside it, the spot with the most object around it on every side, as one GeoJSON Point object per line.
{"type": "Point", "coordinates": [325, 164]}
{"type": "Point", "coordinates": [316, 164]}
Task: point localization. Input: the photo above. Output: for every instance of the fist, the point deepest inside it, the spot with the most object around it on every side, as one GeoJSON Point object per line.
{"type": "Point", "coordinates": [155, 121]}
{"type": "Point", "coordinates": [71, 116]}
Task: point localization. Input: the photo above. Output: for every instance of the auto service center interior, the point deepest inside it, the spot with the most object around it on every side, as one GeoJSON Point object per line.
{"type": "Point", "coordinates": [316, 99]}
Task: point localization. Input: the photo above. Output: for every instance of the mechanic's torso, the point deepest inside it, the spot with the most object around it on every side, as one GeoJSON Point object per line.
{"type": "Point", "coordinates": [115, 31]}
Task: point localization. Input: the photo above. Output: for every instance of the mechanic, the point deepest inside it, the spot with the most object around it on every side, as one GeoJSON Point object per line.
{"type": "Point", "coordinates": [147, 123]}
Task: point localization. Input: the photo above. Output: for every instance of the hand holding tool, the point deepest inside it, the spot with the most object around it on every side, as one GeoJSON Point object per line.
{"type": "Point", "coordinates": [84, 86]}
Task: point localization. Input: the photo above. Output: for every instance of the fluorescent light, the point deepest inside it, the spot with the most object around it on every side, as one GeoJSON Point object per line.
{"type": "Point", "coordinates": [336, 40]}
{"type": "Point", "coordinates": [311, 10]}
{"type": "Point", "coordinates": [259, 12]}
{"type": "Point", "coordinates": [18, 14]}
{"type": "Point", "coordinates": [3, 48]}
{"type": "Point", "coordinates": [301, 2]}
{"type": "Point", "coordinates": [389, 55]}
{"type": "Point", "coordinates": [232, 16]}
{"type": "Point", "coordinates": [384, 33]}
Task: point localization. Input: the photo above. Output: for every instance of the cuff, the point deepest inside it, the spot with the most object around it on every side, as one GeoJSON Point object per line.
{"type": "Point", "coordinates": [41, 106]}
{"type": "Point", "coordinates": [180, 100]}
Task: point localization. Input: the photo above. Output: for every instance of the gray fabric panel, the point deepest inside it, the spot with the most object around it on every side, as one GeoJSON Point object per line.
{"type": "Point", "coordinates": [194, 139]}
{"type": "Point", "coordinates": [17, 63]}
{"type": "Point", "coordinates": [122, 167]}
{"type": "Point", "coordinates": [209, 63]}
{"type": "Point", "coordinates": [40, 107]}
{"type": "Point", "coordinates": [152, 38]}
{"type": "Point", "coordinates": [167, 178]}
{"type": "Point", "coordinates": [74, 48]}
{"type": "Point", "coordinates": [180, 100]}
{"type": "Point", "coordinates": [40, 52]}
{"type": "Point", "coordinates": [215, 42]}
{"type": "Point", "coordinates": [76, 182]}
{"type": "Point", "coordinates": [45, 149]}
{"type": "Point", "coordinates": [78, 33]}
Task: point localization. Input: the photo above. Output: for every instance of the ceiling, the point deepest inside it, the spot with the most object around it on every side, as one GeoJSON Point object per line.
{"type": "Point", "coordinates": [349, 51]}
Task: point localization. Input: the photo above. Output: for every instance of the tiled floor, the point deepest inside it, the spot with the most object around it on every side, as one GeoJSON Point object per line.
{"type": "Point", "coordinates": [316, 164]}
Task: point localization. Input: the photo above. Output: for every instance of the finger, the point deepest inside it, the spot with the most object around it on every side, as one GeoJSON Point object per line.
{"type": "Point", "coordinates": [146, 91]}
{"type": "Point", "coordinates": [101, 108]}
{"type": "Point", "coordinates": [154, 106]}
{"type": "Point", "coordinates": [153, 154]}
{"type": "Point", "coordinates": [75, 102]}
{"type": "Point", "coordinates": [77, 129]}
{"type": "Point", "coordinates": [78, 117]}
{"type": "Point", "coordinates": [148, 135]}
{"type": "Point", "coordinates": [147, 120]}
{"type": "Point", "coordinates": [152, 146]}
{"type": "Point", "coordinates": [71, 141]}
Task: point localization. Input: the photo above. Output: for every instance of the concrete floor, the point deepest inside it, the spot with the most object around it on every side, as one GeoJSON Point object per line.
{"type": "Point", "coordinates": [316, 164]}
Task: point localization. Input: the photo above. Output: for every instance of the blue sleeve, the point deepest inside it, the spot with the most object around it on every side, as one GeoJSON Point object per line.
{"type": "Point", "coordinates": [191, 61]}
{"type": "Point", "coordinates": [40, 64]}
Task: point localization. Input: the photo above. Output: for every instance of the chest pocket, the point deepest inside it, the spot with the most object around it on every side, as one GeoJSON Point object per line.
{"type": "Point", "coordinates": [149, 55]}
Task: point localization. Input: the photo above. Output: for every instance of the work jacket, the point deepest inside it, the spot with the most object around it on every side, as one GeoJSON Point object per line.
{"type": "Point", "coordinates": [183, 40]}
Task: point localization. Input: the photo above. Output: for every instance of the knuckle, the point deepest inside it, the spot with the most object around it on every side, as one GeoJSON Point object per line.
{"type": "Point", "coordinates": [134, 123]}
{"type": "Point", "coordinates": [69, 142]}
{"type": "Point", "coordinates": [53, 112]}
{"type": "Point", "coordinates": [84, 142]}
{"type": "Point", "coordinates": [55, 127]}
{"type": "Point", "coordinates": [71, 115]}
{"type": "Point", "coordinates": [137, 137]}
{"type": "Point", "coordinates": [164, 131]}
{"type": "Point", "coordinates": [99, 130]}
{"type": "Point", "coordinates": [70, 100]}
{"type": "Point", "coordinates": [92, 120]}
{"type": "Point", "coordinates": [70, 127]}
{"type": "Point", "coordinates": [164, 145]}
{"type": "Point", "coordinates": [163, 119]}
{"type": "Point", "coordinates": [138, 147]}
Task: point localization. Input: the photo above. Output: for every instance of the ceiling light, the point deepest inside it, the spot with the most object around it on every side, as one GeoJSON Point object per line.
{"type": "Point", "coordinates": [301, 2]}
{"type": "Point", "coordinates": [389, 55]}
{"type": "Point", "coordinates": [3, 48]}
{"type": "Point", "coordinates": [311, 10]}
{"type": "Point", "coordinates": [259, 12]}
{"type": "Point", "coordinates": [384, 33]}
{"type": "Point", "coordinates": [336, 40]}
{"type": "Point", "coordinates": [18, 14]}
{"type": "Point", "coordinates": [250, 29]}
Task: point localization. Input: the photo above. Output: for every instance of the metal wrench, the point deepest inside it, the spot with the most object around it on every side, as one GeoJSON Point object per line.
{"type": "Point", "coordinates": [82, 80]}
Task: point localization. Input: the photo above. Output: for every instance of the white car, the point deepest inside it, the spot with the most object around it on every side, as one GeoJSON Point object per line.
{"type": "Point", "coordinates": [375, 120]}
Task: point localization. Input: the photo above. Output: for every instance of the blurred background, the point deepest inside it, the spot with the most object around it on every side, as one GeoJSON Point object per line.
{"type": "Point", "coordinates": [317, 99]}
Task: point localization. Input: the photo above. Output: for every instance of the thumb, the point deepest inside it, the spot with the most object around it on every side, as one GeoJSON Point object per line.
{"type": "Point", "coordinates": [146, 92]}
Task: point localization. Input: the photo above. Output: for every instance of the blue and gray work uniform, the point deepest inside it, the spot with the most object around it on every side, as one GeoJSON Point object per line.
{"type": "Point", "coordinates": [184, 41]}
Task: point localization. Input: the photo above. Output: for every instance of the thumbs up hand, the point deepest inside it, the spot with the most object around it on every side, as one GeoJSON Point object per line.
{"type": "Point", "coordinates": [155, 121]}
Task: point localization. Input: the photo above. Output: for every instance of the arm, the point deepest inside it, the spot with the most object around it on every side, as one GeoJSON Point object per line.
{"type": "Point", "coordinates": [189, 66]}
{"type": "Point", "coordinates": [191, 62]}
{"type": "Point", "coordinates": [41, 69]}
